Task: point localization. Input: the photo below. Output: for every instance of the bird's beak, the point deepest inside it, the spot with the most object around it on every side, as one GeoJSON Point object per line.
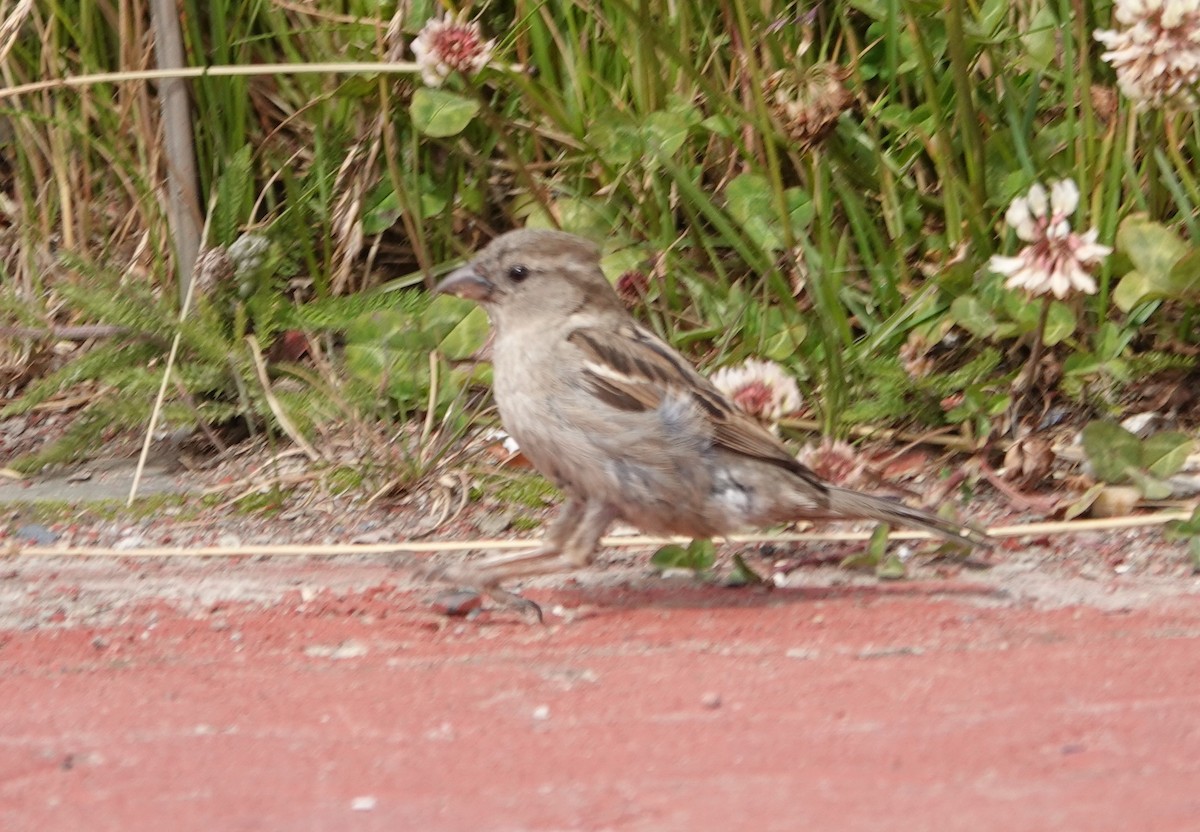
{"type": "Point", "coordinates": [467, 283]}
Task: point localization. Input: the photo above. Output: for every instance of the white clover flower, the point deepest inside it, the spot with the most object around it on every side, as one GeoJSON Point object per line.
{"type": "Point", "coordinates": [761, 388]}
{"type": "Point", "coordinates": [1155, 51]}
{"type": "Point", "coordinates": [1056, 260]}
{"type": "Point", "coordinates": [449, 44]}
{"type": "Point", "coordinates": [835, 461]}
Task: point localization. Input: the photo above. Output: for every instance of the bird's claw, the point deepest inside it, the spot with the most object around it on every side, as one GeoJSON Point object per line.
{"type": "Point", "coordinates": [472, 586]}
{"type": "Point", "coordinates": [505, 598]}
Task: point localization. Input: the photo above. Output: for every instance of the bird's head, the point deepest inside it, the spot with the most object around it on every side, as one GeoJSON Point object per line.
{"type": "Point", "coordinates": [537, 274]}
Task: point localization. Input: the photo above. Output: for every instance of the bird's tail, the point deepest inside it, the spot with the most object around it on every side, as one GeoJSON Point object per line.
{"type": "Point", "coordinates": [847, 503]}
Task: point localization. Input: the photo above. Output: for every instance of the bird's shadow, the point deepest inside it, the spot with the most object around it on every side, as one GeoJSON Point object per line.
{"type": "Point", "coordinates": [700, 595]}
{"type": "Point", "coordinates": [599, 602]}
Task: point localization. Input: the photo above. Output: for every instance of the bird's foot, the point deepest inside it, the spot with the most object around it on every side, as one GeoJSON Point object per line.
{"type": "Point", "coordinates": [474, 585]}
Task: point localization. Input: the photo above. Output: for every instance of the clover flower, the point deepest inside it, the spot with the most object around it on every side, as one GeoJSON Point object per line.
{"type": "Point", "coordinates": [809, 105]}
{"type": "Point", "coordinates": [761, 388]}
{"type": "Point", "coordinates": [1155, 51]}
{"type": "Point", "coordinates": [448, 44]}
{"type": "Point", "coordinates": [835, 461]}
{"type": "Point", "coordinates": [632, 287]}
{"type": "Point", "coordinates": [1057, 260]}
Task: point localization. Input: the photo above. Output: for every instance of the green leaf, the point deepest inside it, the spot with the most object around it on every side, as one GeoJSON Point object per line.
{"type": "Point", "coordinates": [877, 546]}
{"type": "Point", "coordinates": [1184, 280]}
{"type": "Point", "coordinates": [1060, 324]}
{"type": "Point", "coordinates": [891, 569]}
{"type": "Point", "coordinates": [579, 215]}
{"type": "Point", "coordinates": [1154, 251]}
{"type": "Point", "coordinates": [1180, 529]}
{"type": "Point", "coordinates": [1151, 246]}
{"type": "Point", "coordinates": [973, 315]}
{"type": "Point", "coordinates": [1132, 289]}
{"type": "Point", "coordinates": [751, 203]}
{"type": "Point", "coordinates": [1022, 308]}
{"type": "Point", "coordinates": [699, 556]}
{"type": "Point", "coordinates": [467, 337]}
{"type": "Point", "coordinates": [442, 315]}
{"type": "Point", "coordinates": [783, 337]}
{"type": "Point", "coordinates": [980, 402]}
{"type": "Point", "coordinates": [440, 113]}
{"type": "Point", "coordinates": [703, 553]}
{"type": "Point", "coordinates": [383, 210]}
{"type": "Point", "coordinates": [1111, 340]}
{"type": "Point", "coordinates": [1084, 502]}
{"type": "Point", "coordinates": [1112, 450]}
{"type": "Point", "coordinates": [616, 263]}
{"type": "Point", "coordinates": [1163, 454]}
{"type": "Point", "coordinates": [860, 561]}
{"type": "Point", "coordinates": [1188, 530]}
{"type": "Point", "coordinates": [1040, 38]}
{"type": "Point", "coordinates": [616, 139]}
{"type": "Point", "coordinates": [992, 14]}
{"type": "Point", "coordinates": [665, 132]}
{"type": "Point", "coordinates": [235, 196]}
{"type": "Point", "coordinates": [584, 216]}
{"type": "Point", "coordinates": [873, 556]}
{"type": "Point", "coordinates": [722, 125]}
{"type": "Point", "coordinates": [670, 556]}
{"type": "Point", "coordinates": [1150, 487]}
{"type": "Point", "coordinates": [388, 350]}
{"type": "Point", "coordinates": [743, 574]}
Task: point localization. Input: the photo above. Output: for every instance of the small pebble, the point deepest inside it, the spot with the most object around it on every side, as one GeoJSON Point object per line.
{"type": "Point", "coordinates": [711, 700]}
{"type": "Point", "coordinates": [37, 534]}
{"type": "Point", "coordinates": [493, 523]}
{"type": "Point", "coordinates": [541, 713]}
{"type": "Point", "coordinates": [346, 650]}
{"type": "Point", "coordinates": [363, 803]}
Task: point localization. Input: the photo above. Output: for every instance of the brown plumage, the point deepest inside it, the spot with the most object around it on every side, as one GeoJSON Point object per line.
{"type": "Point", "coordinates": [623, 424]}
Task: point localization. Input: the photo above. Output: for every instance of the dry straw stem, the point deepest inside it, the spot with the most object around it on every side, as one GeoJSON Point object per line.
{"type": "Point", "coordinates": [156, 411]}
{"type": "Point", "coordinates": [11, 26]}
{"type": "Point", "coordinates": [629, 542]}
{"type": "Point", "coordinates": [956, 443]}
{"type": "Point", "coordinates": [285, 423]}
{"type": "Point", "coordinates": [358, 68]}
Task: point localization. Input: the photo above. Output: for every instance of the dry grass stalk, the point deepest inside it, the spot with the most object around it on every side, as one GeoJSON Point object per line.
{"type": "Point", "coordinates": [629, 542]}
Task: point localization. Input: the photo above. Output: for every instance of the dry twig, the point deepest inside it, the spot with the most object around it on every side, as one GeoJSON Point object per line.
{"type": "Point", "coordinates": [631, 541]}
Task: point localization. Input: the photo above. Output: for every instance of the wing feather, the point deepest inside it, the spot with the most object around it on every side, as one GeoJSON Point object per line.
{"type": "Point", "coordinates": [630, 369]}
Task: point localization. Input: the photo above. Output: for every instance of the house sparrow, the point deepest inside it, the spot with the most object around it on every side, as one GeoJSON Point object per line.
{"type": "Point", "coordinates": [623, 424]}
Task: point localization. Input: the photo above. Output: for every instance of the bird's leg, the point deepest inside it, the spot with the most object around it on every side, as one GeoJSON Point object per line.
{"type": "Point", "coordinates": [569, 544]}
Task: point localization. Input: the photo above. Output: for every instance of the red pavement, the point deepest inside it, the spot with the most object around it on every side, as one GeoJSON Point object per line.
{"type": "Point", "coordinates": [661, 709]}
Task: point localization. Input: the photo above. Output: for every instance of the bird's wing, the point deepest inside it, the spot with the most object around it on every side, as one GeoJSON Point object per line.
{"type": "Point", "coordinates": [629, 368]}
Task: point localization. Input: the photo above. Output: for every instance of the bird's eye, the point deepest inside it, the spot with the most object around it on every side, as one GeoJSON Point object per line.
{"type": "Point", "coordinates": [518, 273]}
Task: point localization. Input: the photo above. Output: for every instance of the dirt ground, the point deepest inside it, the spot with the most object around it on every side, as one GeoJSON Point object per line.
{"type": "Point", "coordinates": [1058, 688]}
